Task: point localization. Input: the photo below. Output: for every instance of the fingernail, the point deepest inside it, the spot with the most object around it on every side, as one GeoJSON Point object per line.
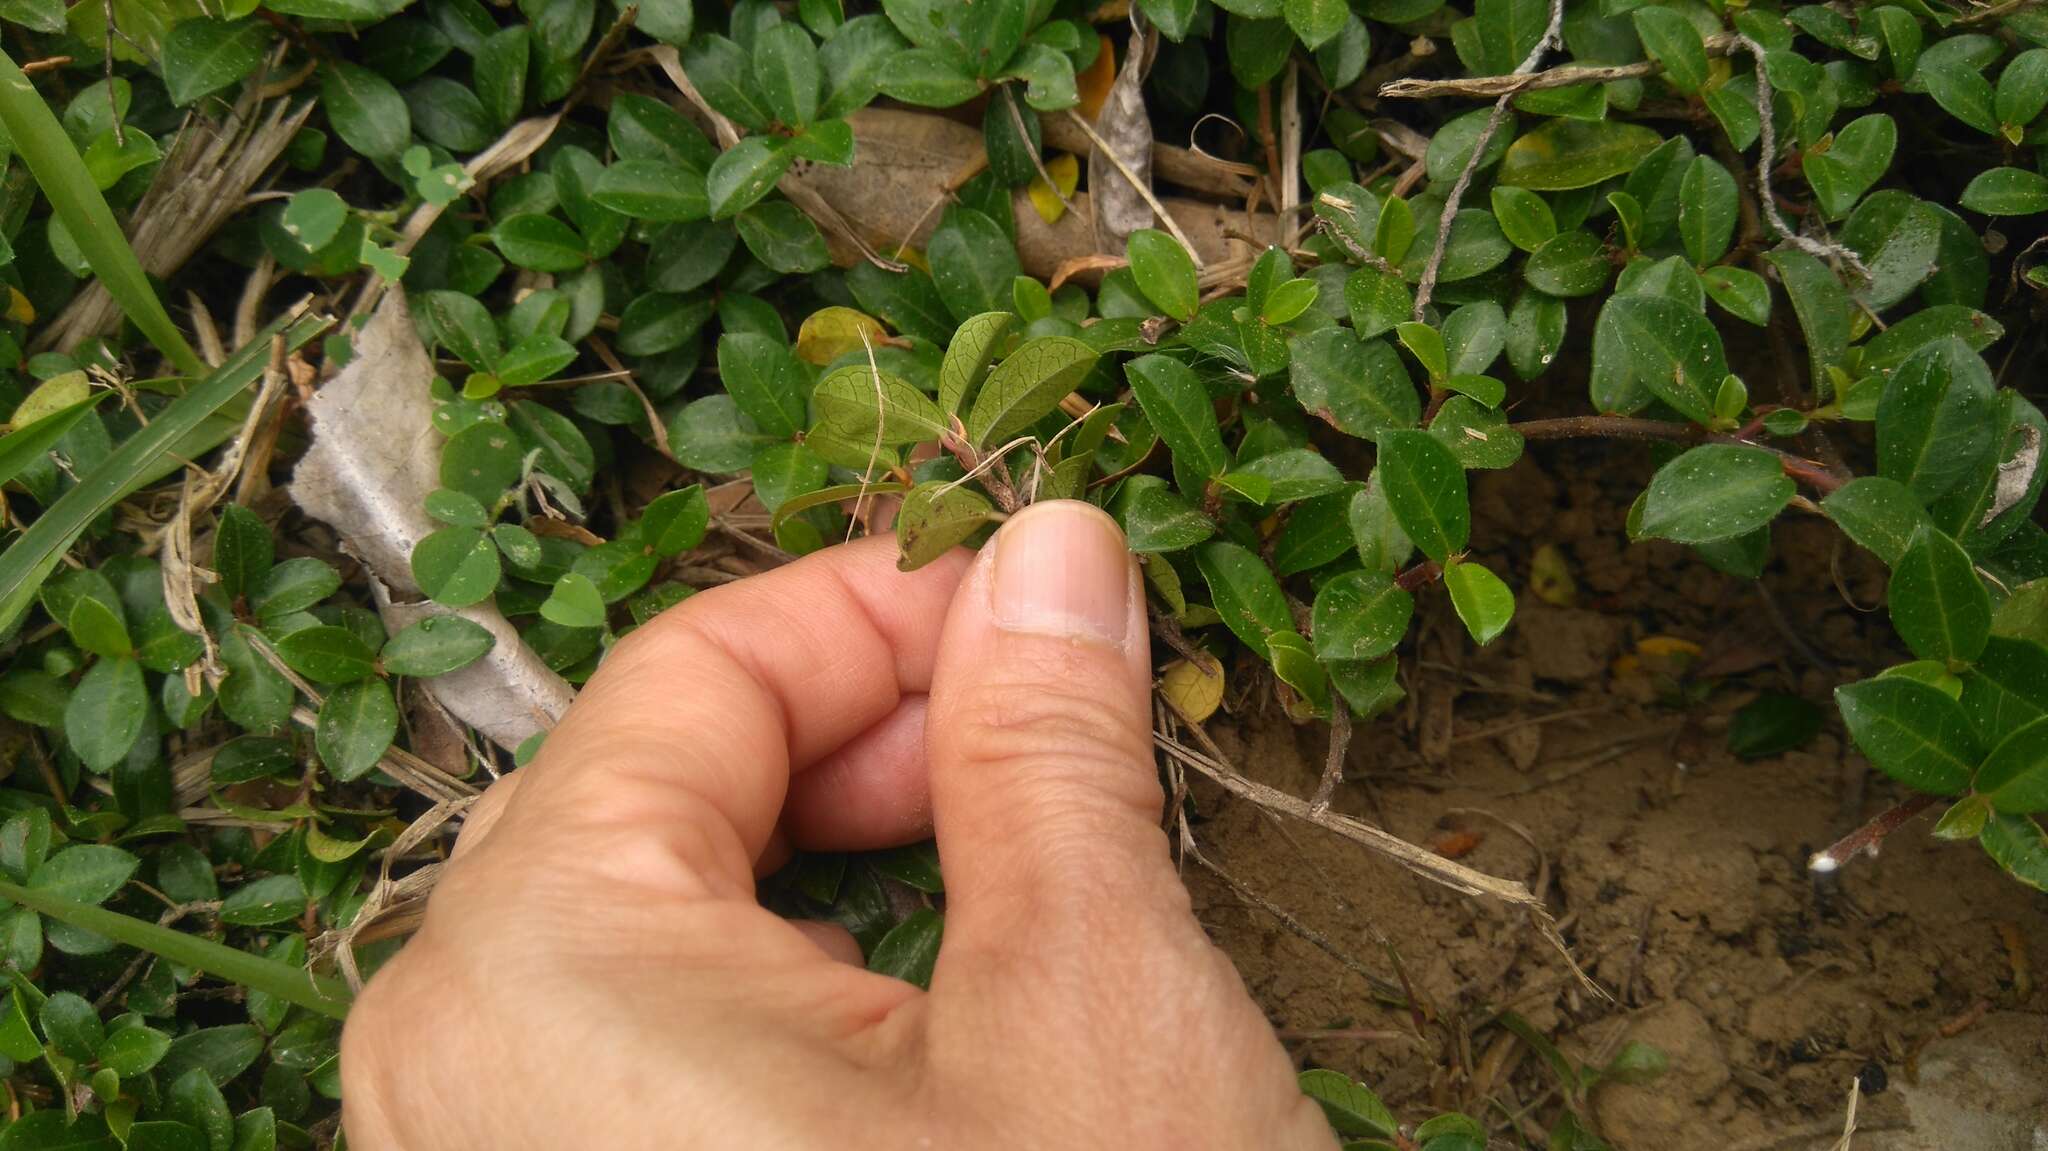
{"type": "Point", "coordinates": [1061, 569]}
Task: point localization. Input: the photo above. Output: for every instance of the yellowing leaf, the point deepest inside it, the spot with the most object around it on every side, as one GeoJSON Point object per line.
{"type": "Point", "coordinates": [18, 308]}
{"type": "Point", "coordinates": [1667, 647]}
{"type": "Point", "coordinates": [1551, 578]}
{"type": "Point", "coordinates": [1193, 686]}
{"type": "Point", "coordinates": [830, 333]}
{"type": "Point", "coordinates": [52, 395]}
{"type": "Point", "coordinates": [1066, 173]}
{"type": "Point", "coordinates": [1094, 84]}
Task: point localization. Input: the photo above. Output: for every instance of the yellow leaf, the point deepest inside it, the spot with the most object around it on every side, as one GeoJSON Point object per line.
{"type": "Point", "coordinates": [1667, 647]}
{"type": "Point", "coordinates": [1551, 578]}
{"type": "Point", "coordinates": [1094, 84]}
{"type": "Point", "coordinates": [18, 308]}
{"type": "Point", "coordinates": [53, 395]}
{"type": "Point", "coordinates": [830, 333]}
{"type": "Point", "coordinates": [1193, 686]}
{"type": "Point", "coordinates": [1066, 173]}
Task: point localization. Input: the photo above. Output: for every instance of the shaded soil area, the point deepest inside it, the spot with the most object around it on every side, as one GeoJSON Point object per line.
{"type": "Point", "coordinates": [1592, 765]}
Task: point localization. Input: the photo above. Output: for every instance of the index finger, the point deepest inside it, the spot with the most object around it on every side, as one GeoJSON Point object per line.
{"type": "Point", "coordinates": [686, 736]}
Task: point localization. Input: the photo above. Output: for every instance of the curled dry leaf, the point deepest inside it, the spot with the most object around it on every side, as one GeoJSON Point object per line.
{"type": "Point", "coordinates": [371, 487]}
{"type": "Point", "coordinates": [1126, 127]}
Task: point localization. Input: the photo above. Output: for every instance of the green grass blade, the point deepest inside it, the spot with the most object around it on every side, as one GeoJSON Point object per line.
{"type": "Point", "coordinates": [292, 984]}
{"type": "Point", "coordinates": [32, 557]}
{"type": "Point", "coordinates": [59, 169]}
{"type": "Point", "coordinates": [25, 445]}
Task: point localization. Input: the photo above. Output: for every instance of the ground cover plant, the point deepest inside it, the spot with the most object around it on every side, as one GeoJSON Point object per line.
{"type": "Point", "coordinates": [1266, 279]}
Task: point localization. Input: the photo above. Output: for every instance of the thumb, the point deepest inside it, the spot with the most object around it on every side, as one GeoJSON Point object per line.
{"type": "Point", "coordinates": [1045, 799]}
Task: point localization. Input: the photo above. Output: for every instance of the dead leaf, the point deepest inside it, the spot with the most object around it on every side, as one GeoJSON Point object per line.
{"type": "Point", "coordinates": [1193, 686]}
{"type": "Point", "coordinates": [1126, 128]}
{"type": "Point", "coordinates": [374, 458]}
{"type": "Point", "coordinates": [1094, 84]}
{"type": "Point", "coordinates": [1050, 200]}
{"type": "Point", "coordinates": [830, 333]}
{"type": "Point", "coordinates": [1068, 269]}
{"type": "Point", "coordinates": [1550, 577]}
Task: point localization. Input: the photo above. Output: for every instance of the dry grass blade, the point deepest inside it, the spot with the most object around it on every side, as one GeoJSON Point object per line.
{"type": "Point", "coordinates": [374, 458]}
{"type": "Point", "coordinates": [198, 188]}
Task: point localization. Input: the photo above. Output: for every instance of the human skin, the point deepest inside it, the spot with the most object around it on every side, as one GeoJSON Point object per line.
{"type": "Point", "coordinates": [595, 972]}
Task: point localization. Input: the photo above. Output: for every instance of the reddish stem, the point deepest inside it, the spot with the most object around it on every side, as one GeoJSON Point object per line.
{"type": "Point", "coordinates": [1422, 574]}
{"type": "Point", "coordinates": [1870, 835]}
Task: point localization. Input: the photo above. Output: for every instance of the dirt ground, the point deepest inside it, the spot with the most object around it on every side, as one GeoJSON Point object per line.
{"type": "Point", "coordinates": [1676, 869]}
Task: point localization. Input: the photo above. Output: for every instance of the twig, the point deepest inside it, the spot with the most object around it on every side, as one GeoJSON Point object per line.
{"type": "Point", "coordinates": [1995, 12]}
{"type": "Point", "coordinates": [1767, 157]}
{"type": "Point", "coordinates": [1514, 84]}
{"type": "Point", "coordinates": [1427, 286]}
{"type": "Point", "coordinates": [1868, 837]}
{"type": "Point", "coordinates": [1421, 861]}
{"type": "Point", "coordinates": [1123, 169]}
{"type": "Point", "coordinates": [1333, 767]}
{"type": "Point", "coordinates": [1653, 431]}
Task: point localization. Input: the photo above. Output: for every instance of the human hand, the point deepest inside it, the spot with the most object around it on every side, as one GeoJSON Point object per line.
{"type": "Point", "coordinates": [594, 970]}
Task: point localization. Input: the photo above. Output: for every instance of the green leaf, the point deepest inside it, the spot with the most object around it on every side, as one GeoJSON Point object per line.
{"type": "Point", "coordinates": [1707, 201]}
{"type": "Point", "coordinates": [1155, 519]}
{"type": "Point", "coordinates": [132, 1051]}
{"type": "Point", "coordinates": [2017, 844]}
{"type": "Point", "coordinates": [1291, 474]}
{"type": "Point", "coordinates": [973, 263]}
{"type": "Point", "coordinates": [1933, 425]}
{"type": "Point", "coordinates": [97, 629]}
{"type": "Point", "coordinates": [1357, 386]}
{"type": "Point", "coordinates": [2022, 92]}
{"type": "Point", "coordinates": [1244, 593]}
{"type": "Point", "coordinates": [1772, 724]}
{"type": "Point", "coordinates": [201, 55]}
{"type": "Point", "coordinates": [1715, 492]}
{"type": "Point", "coordinates": [1670, 349]}
{"type": "Point", "coordinates": [357, 723]}
{"type": "Point", "coordinates": [30, 442]}
{"type": "Point", "coordinates": [929, 78]}
{"type": "Point", "coordinates": [481, 461]}
{"type": "Point", "coordinates": [366, 111]}
{"type": "Point", "coordinates": [499, 73]}
{"type": "Point", "coordinates": [675, 521]}
{"type": "Point", "coordinates": [574, 602]}
{"type": "Point", "coordinates": [462, 325]}
{"type": "Point", "coordinates": [645, 190]}
{"type": "Point", "coordinates": [1477, 434]}
{"type": "Point", "coordinates": [86, 874]}
{"type": "Point", "coordinates": [967, 357]}
{"type": "Point", "coordinates": [1316, 22]}
{"type": "Point", "coordinates": [263, 902]}
{"type": "Point", "coordinates": [1482, 601]}
{"type": "Point", "coordinates": [1856, 160]}
{"type": "Point", "coordinates": [788, 75]}
{"type": "Point", "coordinates": [783, 238]}
{"type": "Point", "coordinates": [1425, 487]}
{"type": "Point", "coordinates": [456, 567]}
{"type": "Point", "coordinates": [1938, 605]}
{"type": "Point", "coordinates": [1671, 40]}
{"type": "Point", "coordinates": [743, 174]}
{"type": "Point", "coordinates": [1739, 292]}
{"type": "Point", "coordinates": [1911, 732]}
{"type": "Point", "coordinates": [723, 73]}
{"type": "Point", "coordinates": [1822, 305]}
{"type": "Point", "coordinates": [1027, 386]}
{"type": "Point", "coordinates": [1178, 407]}
{"type": "Point", "coordinates": [436, 645]}
{"type": "Point", "coordinates": [661, 322]}
{"type": "Point", "coordinates": [1359, 615]}
{"type": "Point", "coordinates": [1960, 89]}
{"type": "Point", "coordinates": [935, 518]}
{"type": "Point", "coordinates": [1164, 271]}
{"type": "Point", "coordinates": [1288, 301]}
{"type": "Point", "coordinates": [327, 654]}
{"type": "Point", "coordinates": [1566, 154]}
{"type": "Point", "coordinates": [1350, 1107]}
{"type": "Point", "coordinates": [2015, 774]}
{"type": "Point", "coordinates": [1525, 218]}
{"type": "Point", "coordinates": [911, 948]}
{"type": "Point", "coordinates": [1426, 344]}
{"type": "Point", "coordinates": [71, 1025]}
{"type": "Point", "coordinates": [1889, 348]}
{"type": "Point", "coordinates": [106, 711]}
{"type": "Point", "coordinates": [1878, 513]}
{"type": "Point", "coordinates": [1569, 264]}
{"type": "Point", "coordinates": [539, 243]}
{"type": "Point", "coordinates": [1377, 301]}
{"type": "Point", "coordinates": [2006, 192]}
{"type": "Point", "coordinates": [854, 399]}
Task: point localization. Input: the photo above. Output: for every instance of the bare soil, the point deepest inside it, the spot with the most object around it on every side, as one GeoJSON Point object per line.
{"type": "Point", "coordinates": [1678, 871]}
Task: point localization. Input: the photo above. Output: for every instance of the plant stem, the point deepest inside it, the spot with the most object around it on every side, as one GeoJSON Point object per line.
{"type": "Point", "coordinates": [289, 983]}
{"type": "Point", "coordinates": [1661, 431]}
{"type": "Point", "coordinates": [1870, 835]}
{"type": "Point", "coordinates": [60, 171]}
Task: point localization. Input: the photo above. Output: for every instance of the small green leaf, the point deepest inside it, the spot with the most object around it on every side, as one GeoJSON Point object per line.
{"type": "Point", "coordinates": [242, 550]}
{"type": "Point", "coordinates": [675, 521]}
{"type": "Point", "coordinates": [1771, 724]}
{"type": "Point", "coordinates": [1525, 218]}
{"type": "Point", "coordinates": [456, 567]}
{"type": "Point", "coordinates": [1178, 406]}
{"type": "Point", "coordinates": [743, 174]}
{"type": "Point", "coordinates": [106, 711]}
{"type": "Point", "coordinates": [854, 399]}
{"type": "Point", "coordinates": [1671, 40]}
{"type": "Point", "coordinates": [1880, 514]}
{"type": "Point", "coordinates": [1244, 593]}
{"type": "Point", "coordinates": [935, 518]}
{"type": "Point", "coordinates": [88, 873]}
{"type": "Point", "coordinates": [539, 243]}
{"type": "Point", "coordinates": [788, 75]}
{"type": "Point", "coordinates": [1360, 615]}
{"type": "Point", "coordinates": [1426, 344]}
{"type": "Point", "coordinates": [1911, 732]}
{"type": "Point", "coordinates": [1670, 349]}
{"type": "Point", "coordinates": [1569, 264]}
{"type": "Point", "coordinates": [1715, 492]}
{"type": "Point", "coordinates": [574, 602]}
{"type": "Point", "coordinates": [201, 56]}
{"type": "Point", "coordinates": [327, 654]}
{"type": "Point", "coordinates": [1155, 519]}
{"type": "Point", "coordinates": [2015, 774]}
{"type": "Point", "coordinates": [1483, 602]}
{"type": "Point", "coordinates": [1566, 154]}
{"type": "Point", "coordinates": [911, 949]}
{"type": "Point", "coordinates": [1938, 605]}
{"type": "Point", "coordinates": [1739, 292]}
{"type": "Point", "coordinates": [1425, 487]}
{"type": "Point", "coordinates": [436, 645]}
{"type": "Point", "coordinates": [2006, 192]}
{"type": "Point", "coordinates": [1164, 271]}
{"type": "Point", "coordinates": [1707, 201]}
{"type": "Point", "coordinates": [1357, 386]}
